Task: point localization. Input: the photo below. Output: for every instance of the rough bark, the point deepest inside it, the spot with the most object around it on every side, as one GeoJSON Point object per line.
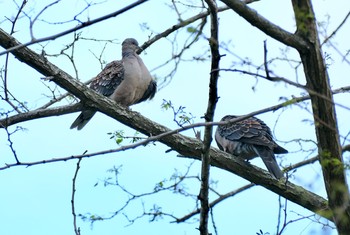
{"type": "Point", "coordinates": [327, 134]}
{"type": "Point", "coordinates": [209, 117]}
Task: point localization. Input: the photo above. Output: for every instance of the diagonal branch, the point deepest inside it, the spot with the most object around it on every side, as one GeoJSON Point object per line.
{"type": "Point", "coordinates": [185, 146]}
{"type": "Point", "coordinates": [337, 29]}
{"type": "Point", "coordinates": [215, 202]}
{"type": "Point", "coordinates": [182, 24]}
{"type": "Point", "coordinates": [265, 25]}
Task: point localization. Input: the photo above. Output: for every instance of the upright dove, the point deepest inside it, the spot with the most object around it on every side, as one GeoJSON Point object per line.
{"type": "Point", "coordinates": [126, 81]}
{"type": "Point", "coordinates": [248, 139]}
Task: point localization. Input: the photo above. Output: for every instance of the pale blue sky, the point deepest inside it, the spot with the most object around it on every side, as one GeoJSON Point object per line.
{"type": "Point", "coordinates": [36, 200]}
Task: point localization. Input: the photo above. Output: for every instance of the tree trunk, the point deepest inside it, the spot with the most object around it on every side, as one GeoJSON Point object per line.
{"type": "Point", "coordinates": [329, 147]}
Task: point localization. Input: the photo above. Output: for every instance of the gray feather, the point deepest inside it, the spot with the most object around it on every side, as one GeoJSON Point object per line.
{"type": "Point", "coordinates": [150, 92]}
{"type": "Point", "coordinates": [83, 118]}
{"type": "Point", "coordinates": [269, 160]}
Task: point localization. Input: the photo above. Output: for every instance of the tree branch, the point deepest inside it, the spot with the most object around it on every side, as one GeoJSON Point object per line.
{"type": "Point", "coordinates": [215, 202]}
{"type": "Point", "coordinates": [209, 117]}
{"type": "Point", "coordinates": [185, 146]}
{"type": "Point", "coordinates": [76, 228]}
{"type": "Point", "coordinates": [39, 113]}
{"type": "Point", "coordinates": [266, 26]}
{"type": "Point", "coordinates": [329, 148]}
{"type": "Point", "coordinates": [182, 24]}
{"type": "Point", "coordinates": [6, 91]}
{"type": "Point", "coordinates": [43, 112]}
{"type": "Point", "coordinates": [337, 29]}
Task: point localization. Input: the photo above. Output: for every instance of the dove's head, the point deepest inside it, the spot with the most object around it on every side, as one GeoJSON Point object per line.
{"type": "Point", "coordinates": [130, 45]}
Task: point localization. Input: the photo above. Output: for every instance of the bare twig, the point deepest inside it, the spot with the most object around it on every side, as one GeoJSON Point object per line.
{"type": "Point", "coordinates": [80, 26]}
{"type": "Point", "coordinates": [76, 228]}
{"type": "Point", "coordinates": [6, 91]}
{"type": "Point", "coordinates": [179, 25]}
{"type": "Point", "coordinates": [184, 23]}
{"type": "Point", "coordinates": [213, 221]}
{"type": "Point", "coordinates": [61, 97]}
{"type": "Point", "coordinates": [284, 209]}
{"type": "Point", "coordinates": [282, 79]}
{"type": "Point", "coordinates": [345, 148]}
{"type": "Point", "coordinates": [11, 143]}
{"type": "Point", "coordinates": [339, 52]}
{"type": "Point", "coordinates": [173, 184]}
{"type": "Point", "coordinates": [37, 16]}
{"type": "Point", "coordinates": [176, 58]}
{"type": "Point", "coordinates": [215, 202]}
{"type": "Point", "coordinates": [337, 29]}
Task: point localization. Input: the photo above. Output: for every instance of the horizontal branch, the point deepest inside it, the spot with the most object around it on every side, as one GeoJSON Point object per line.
{"type": "Point", "coordinates": [185, 146]}
{"type": "Point", "coordinates": [345, 148]}
{"type": "Point", "coordinates": [295, 84]}
{"type": "Point", "coordinates": [44, 112]}
{"type": "Point", "coordinates": [39, 113]}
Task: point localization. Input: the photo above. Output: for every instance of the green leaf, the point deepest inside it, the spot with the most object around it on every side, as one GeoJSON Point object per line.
{"type": "Point", "coordinates": [191, 29]}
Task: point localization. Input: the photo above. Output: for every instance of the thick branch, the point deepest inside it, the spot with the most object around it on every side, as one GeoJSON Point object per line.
{"type": "Point", "coordinates": [266, 26]}
{"type": "Point", "coordinates": [329, 147]}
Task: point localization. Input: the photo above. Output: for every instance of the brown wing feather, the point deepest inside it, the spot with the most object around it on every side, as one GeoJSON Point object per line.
{"type": "Point", "coordinates": [249, 131]}
{"type": "Point", "coordinates": [109, 78]}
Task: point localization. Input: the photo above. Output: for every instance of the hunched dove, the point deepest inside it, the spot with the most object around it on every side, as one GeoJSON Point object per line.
{"type": "Point", "coordinates": [248, 139]}
{"type": "Point", "coordinates": [126, 81]}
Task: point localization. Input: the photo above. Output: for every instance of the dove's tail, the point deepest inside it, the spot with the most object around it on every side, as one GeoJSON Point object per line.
{"type": "Point", "coordinates": [269, 160]}
{"type": "Point", "coordinates": [84, 117]}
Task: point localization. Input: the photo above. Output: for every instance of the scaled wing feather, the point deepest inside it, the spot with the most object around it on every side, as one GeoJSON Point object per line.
{"type": "Point", "coordinates": [109, 78]}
